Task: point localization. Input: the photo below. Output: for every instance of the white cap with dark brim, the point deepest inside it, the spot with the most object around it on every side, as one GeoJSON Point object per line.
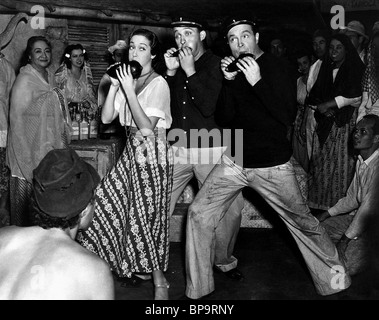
{"type": "Point", "coordinates": [232, 22]}
{"type": "Point", "coordinates": [187, 22]}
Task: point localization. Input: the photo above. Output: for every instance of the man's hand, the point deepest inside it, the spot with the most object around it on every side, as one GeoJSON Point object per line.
{"type": "Point", "coordinates": [224, 63]}
{"type": "Point", "coordinates": [323, 216]}
{"type": "Point", "coordinates": [187, 61]}
{"type": "Point", "coordinates": [172, 63]}
{"type": "Point", "coordinates": [251, 70]}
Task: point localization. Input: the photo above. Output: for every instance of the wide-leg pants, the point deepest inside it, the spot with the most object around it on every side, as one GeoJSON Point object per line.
{"type": "Point", "coordinates": [279, 187]}
{"type": "Point", "coordinates": [199, 162]}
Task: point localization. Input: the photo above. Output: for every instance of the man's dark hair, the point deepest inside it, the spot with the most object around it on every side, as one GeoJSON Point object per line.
{"type": "Point", "coordinates": [234, 20]}
{"type": "Point", "coordinates": [302, 52]}
{"type": "Point", "coordinates": [375, 119]}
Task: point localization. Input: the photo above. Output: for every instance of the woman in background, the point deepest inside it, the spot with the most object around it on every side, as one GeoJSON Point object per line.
{"type": "Point", "coordinates": [74, 77]}
{"type": "Point", "coordinates": [335, 98]}
{"type": "Point", "coordinates": [130, 229]}
{"type": "Point", "coordinates": [370, 81]}
{"type": "Point", "coordinates": [39, 122]}
{"type": "Point", "coordinates": [299, 139]}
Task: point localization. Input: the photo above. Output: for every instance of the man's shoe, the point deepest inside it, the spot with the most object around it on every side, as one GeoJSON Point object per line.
{"type": "Point", "coordinates": [233, 274]}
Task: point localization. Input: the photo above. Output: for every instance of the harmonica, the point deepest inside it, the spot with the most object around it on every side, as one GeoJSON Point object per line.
{"type": "Point", "coordinates": [176, 53]}
{"type": "Point", "coordinates": [233, 66]}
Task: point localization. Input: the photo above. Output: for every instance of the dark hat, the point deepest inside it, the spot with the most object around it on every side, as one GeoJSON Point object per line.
{"type": "Point", "coordinates": [188, 21]}
{"type": "Point", "coordinates": [233, 21]}
{"type": "Point", "coordinates": [63, 183]}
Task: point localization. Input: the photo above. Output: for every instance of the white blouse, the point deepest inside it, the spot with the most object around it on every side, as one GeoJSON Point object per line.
{"type": "Point", "coordinates": [154, 100]}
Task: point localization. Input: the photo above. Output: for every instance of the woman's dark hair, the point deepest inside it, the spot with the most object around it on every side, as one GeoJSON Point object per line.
{"type": "Point", "coordinates": [154, 44]}
{"type": "Point", "coordinates": [67, 54]}
{"type": "Point", "coordinates": [29, 47]}
{"type": "Point", "coordinates": [46, 221]}
{"type": "Point", "coordinates": [345, 40]}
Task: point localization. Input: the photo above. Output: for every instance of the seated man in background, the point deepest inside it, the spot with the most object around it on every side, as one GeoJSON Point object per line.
{"type": "Point", "coordinates": [43, 262]}
{"type": "Point", "coordinates": [348, 221]}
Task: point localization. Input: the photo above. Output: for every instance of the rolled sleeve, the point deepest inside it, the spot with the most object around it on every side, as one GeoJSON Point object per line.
{"type": "Point", "coordinates": [343, 102]}
{"type": "Point", "coordinates": [154, 112]}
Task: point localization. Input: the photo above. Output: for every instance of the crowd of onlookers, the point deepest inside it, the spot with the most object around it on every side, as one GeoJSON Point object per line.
{"type": "Point", "coordinates": [336, 88]}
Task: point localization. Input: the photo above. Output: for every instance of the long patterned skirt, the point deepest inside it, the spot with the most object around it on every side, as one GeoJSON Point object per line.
{"type": "Point", "coordinates": [20, 193]}
{"type": "Point", "coordinates": [4, 173]}
{"type": "Point", "coordinates": [130, 228]}
{"type": "Point", "coordinates": [331, 167]}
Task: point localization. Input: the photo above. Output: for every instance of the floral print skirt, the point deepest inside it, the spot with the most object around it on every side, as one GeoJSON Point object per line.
{"type": "Point", "coordinates": [130, 228]}
{"type": "Point", "coordinates": [4, 173]}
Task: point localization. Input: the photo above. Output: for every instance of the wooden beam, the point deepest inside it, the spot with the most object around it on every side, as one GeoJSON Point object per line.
{"type": "Point", "coordinates": [11, 6]}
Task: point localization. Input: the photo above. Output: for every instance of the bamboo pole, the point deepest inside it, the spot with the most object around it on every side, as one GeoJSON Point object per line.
{"type": "Point", "coordinates": [11, 6]}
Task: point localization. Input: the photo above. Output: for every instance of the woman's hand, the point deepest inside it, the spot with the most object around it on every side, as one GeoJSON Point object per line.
{"type": "Point", "coordinates": [330, 113]}
{"type": "Point", "coordinates": [328, 108]}
{"type": "Point", "coordinates": [125, 77]}
{"type": "Point", "coordinates": [322, 108]}
{"type": "Point", "coordinates": [86, 104]}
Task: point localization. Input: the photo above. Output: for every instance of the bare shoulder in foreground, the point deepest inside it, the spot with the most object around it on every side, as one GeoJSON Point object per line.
{"type": "Point", "coordinates": [40, 264]}
{"type": "Point", "coordinates": [44, 262]}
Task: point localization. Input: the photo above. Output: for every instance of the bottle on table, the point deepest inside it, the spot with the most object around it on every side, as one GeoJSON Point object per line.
{"type": "Point", "coordinates": [75, 124]}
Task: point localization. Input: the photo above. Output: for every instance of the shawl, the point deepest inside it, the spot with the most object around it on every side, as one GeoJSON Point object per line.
{"type": "Point", "coordinates": [347, 84]}
{"type": "Point", "coordinates": [37, 122]}
{"type": "Point", "coordinates": [7, 78]}
{"type": "Point", "coordinates": [84, 89]}
{"type": "Point", "coordinates": [370, 83]}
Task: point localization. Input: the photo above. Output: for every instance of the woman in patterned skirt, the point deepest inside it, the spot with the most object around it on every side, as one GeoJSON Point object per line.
{"type": "Point", "coordinates": [335, 98]}
{"type": "Point", "coordinates": [130, 229]}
